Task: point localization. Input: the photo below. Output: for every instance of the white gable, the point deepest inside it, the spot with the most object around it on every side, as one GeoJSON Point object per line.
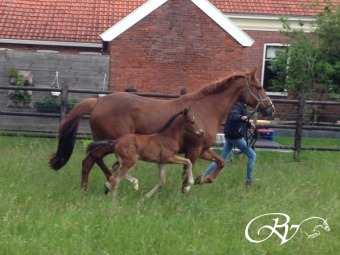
{"type": "Point", "coordinates": [151, 5]}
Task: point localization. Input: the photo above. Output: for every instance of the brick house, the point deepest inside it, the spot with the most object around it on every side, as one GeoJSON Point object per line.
{"type": "Point", "coordinates": [156, 45]}
{"type": "Point", "coordinates": [165, 45]}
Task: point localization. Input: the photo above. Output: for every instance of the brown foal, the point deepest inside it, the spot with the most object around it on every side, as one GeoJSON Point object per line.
{"type": "Point", "coordinates": [160, 147]}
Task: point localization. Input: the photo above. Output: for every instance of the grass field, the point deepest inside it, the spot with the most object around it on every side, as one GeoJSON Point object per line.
{"type": "Point", "coordinates": [45, 212]}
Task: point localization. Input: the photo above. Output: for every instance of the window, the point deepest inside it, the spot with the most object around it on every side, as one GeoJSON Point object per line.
{"type": "Point", "coordinates": [270, 51]}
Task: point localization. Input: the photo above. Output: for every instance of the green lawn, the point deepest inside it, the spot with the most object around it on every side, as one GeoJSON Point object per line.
{"type": "Point", "coordinates": [45, 212]}
{"type": "Point", "coordinates": [309, 141]}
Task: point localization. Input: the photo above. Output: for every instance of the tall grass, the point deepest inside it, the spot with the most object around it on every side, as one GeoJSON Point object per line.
{"type": "Point", "coordinates": [45, 212]}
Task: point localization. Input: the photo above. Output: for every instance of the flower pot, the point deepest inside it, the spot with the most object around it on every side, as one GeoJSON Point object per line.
{"type": "Point", "coordinates": [13, 80]}
{"type": "Point", "coordinates": [55, 93]}
{"type": "Point", "coordinates": [47, 108]}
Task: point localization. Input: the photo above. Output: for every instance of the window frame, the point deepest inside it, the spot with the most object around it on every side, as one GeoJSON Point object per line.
{"type": "Point", "coordinates": [264, 59]}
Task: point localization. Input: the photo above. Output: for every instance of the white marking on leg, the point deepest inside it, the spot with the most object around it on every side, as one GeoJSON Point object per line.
{"type": "Point", "coordinates": [160, 184]}
{"type": "Point", "coordinates": [108, 185]}
{"type": "Point", "coordinates": [133, 180]}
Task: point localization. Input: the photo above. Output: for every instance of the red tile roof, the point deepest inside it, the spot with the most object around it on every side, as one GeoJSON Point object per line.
{"type": "Point", "coordinates": [85, 20]}
{"type": "Point", "coordinates": [61, 20]}
{"type": "Point", "coordinates": [268, 7]}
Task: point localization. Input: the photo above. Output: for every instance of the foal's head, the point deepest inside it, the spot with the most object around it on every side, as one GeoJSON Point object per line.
{"type": "Point", "coordinates": [182, 121]}
{"type": "Point", "coordinates": [189, 123]}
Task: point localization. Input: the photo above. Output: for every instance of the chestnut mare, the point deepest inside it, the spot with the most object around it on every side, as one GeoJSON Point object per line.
{"type": "Point", "coordinates": [122, 113]}
{"type": "Point", "coordinates": [160, 147]}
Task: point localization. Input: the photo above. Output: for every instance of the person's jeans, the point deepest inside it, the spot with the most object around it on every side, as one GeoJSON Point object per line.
{"type": "Point", "coordinates": [241, 144]}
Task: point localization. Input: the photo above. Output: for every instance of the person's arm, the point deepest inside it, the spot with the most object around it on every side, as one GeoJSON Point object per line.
{"type": "Point", "coordinates": [236, 114]}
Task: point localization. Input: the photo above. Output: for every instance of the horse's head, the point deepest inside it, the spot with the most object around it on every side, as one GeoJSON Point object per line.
{"type": "Point", "coordinates": [325, 226]}
{"type": "Point", "coordinates": [256, 97]}
{"type": "Point", "coordinates": [189, 123]}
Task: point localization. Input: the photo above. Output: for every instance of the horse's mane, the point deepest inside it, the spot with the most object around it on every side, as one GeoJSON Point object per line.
{"type": "Point", "coordinates": [216, 86]}
{"type": "Point", "coordinates": [169, 122]}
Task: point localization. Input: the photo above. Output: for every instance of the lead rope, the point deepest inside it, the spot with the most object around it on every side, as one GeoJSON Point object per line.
{"type": "Point", "coordinates": [250, 140]}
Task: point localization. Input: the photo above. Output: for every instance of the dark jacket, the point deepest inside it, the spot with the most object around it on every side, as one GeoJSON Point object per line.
{"type": "Point", "coordinates": [234, 127]}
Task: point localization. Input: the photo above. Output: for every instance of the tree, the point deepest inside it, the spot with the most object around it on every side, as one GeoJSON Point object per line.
{"type": "Point", "coordinates": [311, 63]}
{"type": "Point", "coordinates": [310, 66]}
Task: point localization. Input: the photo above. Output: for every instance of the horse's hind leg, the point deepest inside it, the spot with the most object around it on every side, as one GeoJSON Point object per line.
{"type": "Point", "coordinates": [87, 163]}
{"type": "Point", "coordinates": [160, 183]}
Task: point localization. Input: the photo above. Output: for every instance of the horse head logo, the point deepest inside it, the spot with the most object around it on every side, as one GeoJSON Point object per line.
{"type": "Point", "coordinates": [316, 230]}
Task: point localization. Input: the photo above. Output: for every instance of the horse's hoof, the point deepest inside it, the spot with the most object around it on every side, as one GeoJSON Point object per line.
{"type": "Point", "coordinates": [107, 188]}
{"type": "Point", "coordinates": [198, 180]}
{"type": "Point", "coordinates": [135, 185]}
{"type": "Point", "coordinates": [185, 189]}
{"type": "Point", "coordinates": [202, 180]}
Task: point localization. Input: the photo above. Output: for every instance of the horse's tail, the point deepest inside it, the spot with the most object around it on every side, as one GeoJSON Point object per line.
{"type": "Point", "coordinates": [68, 132]}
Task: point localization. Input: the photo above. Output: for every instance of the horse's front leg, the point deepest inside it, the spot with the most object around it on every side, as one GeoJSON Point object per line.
{"type": "Point", "coordinates": [210, 155]}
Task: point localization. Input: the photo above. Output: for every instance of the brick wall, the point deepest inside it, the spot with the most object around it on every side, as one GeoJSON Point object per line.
{"type": "Point", "coordinates": [253, 56]}
{"type": "Point", "coordinates": [175, 46]}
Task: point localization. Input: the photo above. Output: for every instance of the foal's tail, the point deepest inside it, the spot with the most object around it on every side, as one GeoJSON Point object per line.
{"type": "Point", "coordinates": [100, 148]}
{"type": "Point", "coordinates": [68, 132]}
{"type": "Point", "coordinates": [99, 143]}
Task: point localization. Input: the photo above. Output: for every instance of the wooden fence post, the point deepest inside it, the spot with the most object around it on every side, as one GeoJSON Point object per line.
{"type": "Point", "coordinates": [299, 127]}
{"type": "Point", "coordinates": [63, 101]}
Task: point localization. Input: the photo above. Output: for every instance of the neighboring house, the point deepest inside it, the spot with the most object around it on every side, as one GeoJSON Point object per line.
{"type": "Point", "coordinates": [156, 45]}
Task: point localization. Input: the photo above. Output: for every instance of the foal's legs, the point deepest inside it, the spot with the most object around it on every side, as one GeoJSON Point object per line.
{"type": "Point", "coordinates": [160, 184]}
{"type": "Point", "coordinates": [189, 180]}
{"type": "Point", "coordinates": [123, 169]}
{"type": "Point", "coordinates": [133, 180]}
{"type": "Point", "coordinates": [192, 155]}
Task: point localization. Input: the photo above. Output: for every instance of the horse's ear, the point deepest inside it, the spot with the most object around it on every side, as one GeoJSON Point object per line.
{"type": "Point", "coordinates": [186, 110]}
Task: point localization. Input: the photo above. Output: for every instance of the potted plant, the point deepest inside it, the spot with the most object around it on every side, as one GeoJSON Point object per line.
{"type": "Point", "coordinates": [20, 98]}
{"type": "Point", "coordinates": [71, 103]}
{"type": "Point", "coordinates": [13, 74]}
{"type": "Point", "coordinates": [48, 104]}
{"type": "Point", "coordinates": [52, 104]}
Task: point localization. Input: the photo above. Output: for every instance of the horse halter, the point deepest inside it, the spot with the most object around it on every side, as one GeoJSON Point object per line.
{"type": "Point", "coordinates": [258, 99]}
